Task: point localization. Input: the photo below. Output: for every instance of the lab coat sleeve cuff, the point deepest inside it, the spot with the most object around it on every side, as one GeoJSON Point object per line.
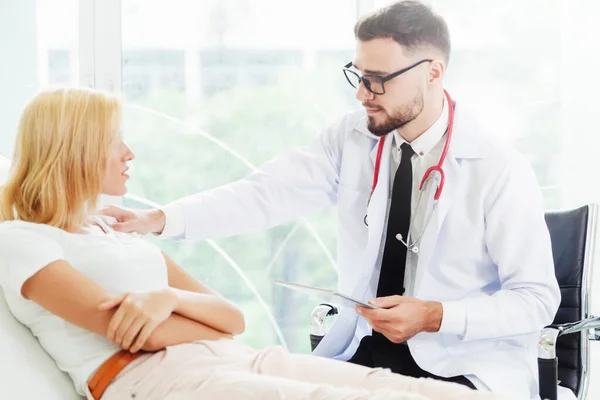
{"type": "Point", "coordinates": [454, 318]}
{"type": "Point", "coordinates": [174, 221]}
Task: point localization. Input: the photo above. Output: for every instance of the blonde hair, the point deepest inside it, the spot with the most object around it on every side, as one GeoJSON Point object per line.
{"type": "Point", "coordinates": [61, 155]}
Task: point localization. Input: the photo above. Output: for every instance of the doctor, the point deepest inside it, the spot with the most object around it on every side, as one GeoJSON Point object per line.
{"type": "Point", "coordinates": [461, 262]}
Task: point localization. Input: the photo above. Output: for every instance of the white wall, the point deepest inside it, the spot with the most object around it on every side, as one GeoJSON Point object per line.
{"type": "Point", "coordinates": [580, 154]}
{"type": "Point", "coordinates": [18, 65]}
{"type": "Point", "coordinates": [580, 88]}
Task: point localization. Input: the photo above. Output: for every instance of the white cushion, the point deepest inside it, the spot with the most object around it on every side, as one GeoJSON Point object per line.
{"type": "Point", "coordinates": [26, 370]}
{"type": "Point", "coordinates": [565, 394]}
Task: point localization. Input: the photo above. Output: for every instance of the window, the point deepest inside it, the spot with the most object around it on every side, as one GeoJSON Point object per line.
{"type": "Point", "coordinates": [39, 46]}
{"type": "Point", "coordinates": [506, 64]}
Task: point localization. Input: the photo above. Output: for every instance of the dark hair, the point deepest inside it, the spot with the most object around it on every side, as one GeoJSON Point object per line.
{"type": "Point", "coordinates": [410, 23]}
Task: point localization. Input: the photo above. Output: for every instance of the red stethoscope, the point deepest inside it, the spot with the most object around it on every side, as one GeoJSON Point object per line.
{"type": "Point", "coordinates": [429, 175]}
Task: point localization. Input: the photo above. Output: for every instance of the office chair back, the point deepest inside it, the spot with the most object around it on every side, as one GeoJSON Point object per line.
{"type": "Point", "coordinates": [571, 235]}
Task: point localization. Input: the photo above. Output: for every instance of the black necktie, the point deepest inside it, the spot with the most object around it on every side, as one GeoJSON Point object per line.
{"type": "Point", "coordinates": [393, 265]}
{"type": "Point", "coordinates": [377, 350]}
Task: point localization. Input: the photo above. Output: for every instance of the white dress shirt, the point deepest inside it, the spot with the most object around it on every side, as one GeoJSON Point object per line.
{"type": "Point", "coordinates": [428, 149]}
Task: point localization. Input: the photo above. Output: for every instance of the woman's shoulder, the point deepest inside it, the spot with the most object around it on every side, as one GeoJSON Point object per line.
{"type": "Point", "coordinates": [26, 247]}
{"type": "Point", "coordinates": [18, 227]}
{"type": "Point", "coordinates": [14, 232]}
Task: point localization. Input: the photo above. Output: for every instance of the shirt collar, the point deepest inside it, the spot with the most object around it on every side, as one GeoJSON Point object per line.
{"type": "Point", "coordinates": [432, 136]}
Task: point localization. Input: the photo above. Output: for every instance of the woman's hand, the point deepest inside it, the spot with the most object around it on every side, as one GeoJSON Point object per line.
{"type": "Point", "coordinates": [138, 315]}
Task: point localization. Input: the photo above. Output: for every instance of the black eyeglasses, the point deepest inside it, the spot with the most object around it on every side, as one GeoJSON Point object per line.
{"type": "Point", "coordinates": [374, 83]}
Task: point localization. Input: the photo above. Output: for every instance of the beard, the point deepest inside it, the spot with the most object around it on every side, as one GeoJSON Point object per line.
{"type": "Point", "coordinates": [399, 117]}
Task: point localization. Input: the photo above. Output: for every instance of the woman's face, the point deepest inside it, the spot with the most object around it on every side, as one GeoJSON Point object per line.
{"type": "Point", "coordinates": [115, 180]}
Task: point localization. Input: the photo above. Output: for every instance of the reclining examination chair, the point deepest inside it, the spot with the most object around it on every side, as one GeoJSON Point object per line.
{"type": "Point", "coordinates": [26, 371]}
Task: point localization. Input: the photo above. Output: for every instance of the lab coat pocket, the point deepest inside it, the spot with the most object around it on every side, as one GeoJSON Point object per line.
{"type": "Point", "coordinates": [352, 202]}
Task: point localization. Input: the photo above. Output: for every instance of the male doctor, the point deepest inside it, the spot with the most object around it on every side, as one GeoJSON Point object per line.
{"type": "Point", "coordinates": [465, 284]}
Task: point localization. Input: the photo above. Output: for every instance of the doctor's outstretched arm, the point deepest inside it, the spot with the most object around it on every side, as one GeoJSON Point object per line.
{"type": "Point", "coordinates": [291, 185]}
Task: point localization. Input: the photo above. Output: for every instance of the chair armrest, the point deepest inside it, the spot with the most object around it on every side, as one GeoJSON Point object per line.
{"type": "Point", "coordinates": [317, 322]}
{"type": "Point", "coordinates": [318, 316]}
{"type": "Point", "coordinates": [547, 343]}
{"type": "Point", "coordinates": [592, 323]}
{"type": "Point", "coordinates": [547, 360]}
{"type": "Point", "coordinates": [550, 334]}
{"type": "Point", "coordinates": [548, 363]}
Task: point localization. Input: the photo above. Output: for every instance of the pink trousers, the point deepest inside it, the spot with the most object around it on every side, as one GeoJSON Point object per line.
{"type": "Point", "coordinates": [227, 369]}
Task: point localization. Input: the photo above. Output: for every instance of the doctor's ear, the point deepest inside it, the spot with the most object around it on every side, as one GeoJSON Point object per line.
{"type": "Point", "coordinates": [436, 71]}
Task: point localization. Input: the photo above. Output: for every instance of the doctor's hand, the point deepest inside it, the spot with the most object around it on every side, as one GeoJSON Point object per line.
{"type": "Point", "coordinates": [137, 316]}
{"type": "Point", "coordinates": [136, 221]}
{"type": "Point", "coordinates": [402, 317]}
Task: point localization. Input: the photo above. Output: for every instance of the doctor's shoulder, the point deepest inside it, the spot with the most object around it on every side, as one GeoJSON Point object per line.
{"type": "Point", "coordinates": [486, 147]}
{"type": "Point", "coordinates": [492, 161]}
{"type": "Point", "coordinates": [352, 123]}
{"type": "Point", "coordinates": [503, 156]}
{"type": "Point", "coordinates": [349, 132]}
{"type": "Point", "coordinates": [506, 173]}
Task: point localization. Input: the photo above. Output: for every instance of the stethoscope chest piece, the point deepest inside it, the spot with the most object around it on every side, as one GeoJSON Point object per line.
{"type": "Point", "coordinates": [413, 248]}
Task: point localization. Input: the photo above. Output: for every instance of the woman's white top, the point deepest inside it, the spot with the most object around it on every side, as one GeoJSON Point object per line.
{"type": "Point", "coordinates": [115, 261]}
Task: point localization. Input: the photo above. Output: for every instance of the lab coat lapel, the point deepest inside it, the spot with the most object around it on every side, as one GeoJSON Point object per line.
{"type": "Point", "coordinates": [377, 208]}
{"type": "Point", "coordinates": [376, 214]}
{"type": "Point", "coordinates": [374, 151]}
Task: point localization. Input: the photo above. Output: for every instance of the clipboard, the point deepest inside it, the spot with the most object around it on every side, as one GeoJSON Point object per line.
{"type": "Point", "coordinates": [325, 294]}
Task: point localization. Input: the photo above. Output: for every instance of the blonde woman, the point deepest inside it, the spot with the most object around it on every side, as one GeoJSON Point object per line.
{"type": "Point", "coordinates": [116, 313]}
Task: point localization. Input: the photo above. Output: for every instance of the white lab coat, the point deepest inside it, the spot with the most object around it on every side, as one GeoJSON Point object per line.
{"type": "Point", "coordinates": [486, 245]}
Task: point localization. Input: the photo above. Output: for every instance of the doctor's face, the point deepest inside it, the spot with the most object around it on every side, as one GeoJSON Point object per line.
{"type": "Point", "coordinates": [403, 99]}
{"type": "Point", "coordinates": [115, 180]}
